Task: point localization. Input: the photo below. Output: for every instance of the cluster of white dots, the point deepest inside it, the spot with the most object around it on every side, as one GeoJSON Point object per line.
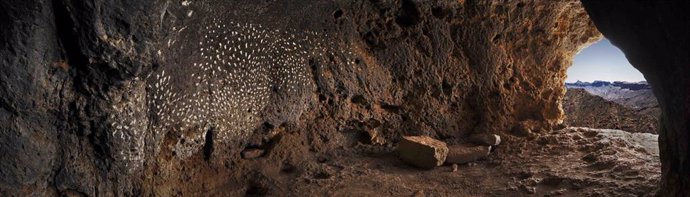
{"type": "Point", "coordinates": [241, 68]}
{"type": "Point", "coordinates": [237, 69]}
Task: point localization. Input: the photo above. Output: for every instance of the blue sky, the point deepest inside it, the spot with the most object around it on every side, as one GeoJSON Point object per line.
{"type": "Point", "coordinates": [602, 61]}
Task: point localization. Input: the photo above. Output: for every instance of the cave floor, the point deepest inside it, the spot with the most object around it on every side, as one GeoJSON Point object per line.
{"type": "Point", "coordinates": [568, 162]}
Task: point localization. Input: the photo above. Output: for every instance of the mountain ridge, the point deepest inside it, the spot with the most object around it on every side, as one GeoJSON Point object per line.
{"type": "Point", "coordinates": [635, 95]}
{"type": "Point", "coordinates": [584, 109]}
{"type": "Point", "coordinates": [601, 83]}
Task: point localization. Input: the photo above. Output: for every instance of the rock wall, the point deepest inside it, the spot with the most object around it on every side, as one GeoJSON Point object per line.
{"type": "Point", "coordinates": [653, 36]}
{"type": "Point", "coordinates": [140, 98]}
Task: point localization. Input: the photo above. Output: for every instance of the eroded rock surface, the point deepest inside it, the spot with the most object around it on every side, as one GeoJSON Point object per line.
{"type": "Point", "coordinates": [460, 154]}
{"type": "Point", "coordinates": [143, 98]}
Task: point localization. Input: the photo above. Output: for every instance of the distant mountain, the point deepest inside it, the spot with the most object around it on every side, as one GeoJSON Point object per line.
{"type": "Point", "coordinates": [621, 84]}
{"type": "Point", "coordinates": [635, 95]}
{"type": "Point", "coordinates": [583, 109]}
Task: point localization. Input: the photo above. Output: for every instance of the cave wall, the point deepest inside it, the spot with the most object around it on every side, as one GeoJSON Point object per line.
{"type": "Point", "coordinates": [144, 97]}
{"type": "Point", "coordinates": [653, 36]}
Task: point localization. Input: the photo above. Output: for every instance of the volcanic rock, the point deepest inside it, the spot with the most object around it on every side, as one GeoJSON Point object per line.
{"type": "Point", "coordinates": [422, 151]}
{"type": "Point", "coordinates": [460, 154]}
{"type": "Point", "coordinates": [97, 96]}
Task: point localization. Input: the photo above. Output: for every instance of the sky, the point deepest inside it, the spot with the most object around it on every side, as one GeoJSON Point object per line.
{"type": "Point", "coordinates": [602, 61]}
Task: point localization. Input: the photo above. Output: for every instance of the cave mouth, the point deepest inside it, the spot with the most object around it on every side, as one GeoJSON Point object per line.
{"type": "Point", "coordinates": [605, 91]}
{"type": "Point", "coordinates": [610, 100]}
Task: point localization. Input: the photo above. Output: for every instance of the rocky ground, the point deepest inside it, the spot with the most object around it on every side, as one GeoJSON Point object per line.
{"type": "Point", "coordinates": [637, 96]}
{"type": "Point", "coordinates": [584, 109]}
{"type": "Point", "coordinates": [568, 162]}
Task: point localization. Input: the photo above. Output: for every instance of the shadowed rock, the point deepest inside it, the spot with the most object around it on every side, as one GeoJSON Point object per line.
{"type": "Point", "coordinates": [486, 139]}
{"type": "Point", "coordinates": [653, 35]}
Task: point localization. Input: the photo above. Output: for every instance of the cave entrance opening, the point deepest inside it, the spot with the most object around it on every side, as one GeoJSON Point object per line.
{"type": "Point", "coordinates": [605, 91]}
{"type": "Point", "coordinates": [610, 100]}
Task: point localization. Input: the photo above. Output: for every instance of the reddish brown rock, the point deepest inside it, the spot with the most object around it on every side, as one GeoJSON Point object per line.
{"type": "Point", "coordinates": [422, 151]}
{"type": "Point", "coordinates": [459, 154]}
{"type": "Point", "coordinates": [434, 66]}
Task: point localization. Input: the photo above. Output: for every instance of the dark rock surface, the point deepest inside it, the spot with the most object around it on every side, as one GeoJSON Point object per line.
{"type": "Point", "coordinates": [653, 36]}
{"type": "Point", "coordinates": [109, 98]}
{"type": "Point", "coordinates": [486, 139]}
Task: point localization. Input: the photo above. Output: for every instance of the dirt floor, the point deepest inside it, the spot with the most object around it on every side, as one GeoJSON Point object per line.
{"type": "Point", "coordinates": [568, 162]}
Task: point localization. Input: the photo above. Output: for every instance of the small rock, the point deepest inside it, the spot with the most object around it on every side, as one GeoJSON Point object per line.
{"type": "Point", "coordinates": [486, 139]}
{"type": "Point", "coordinates": [252, 153]}
{"type": "Point", "coordinates": [422, 151]}
{"type": "Point", "coordinates": [460, 154]}
{"type": "Point", "coordinates": [454, 168]}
